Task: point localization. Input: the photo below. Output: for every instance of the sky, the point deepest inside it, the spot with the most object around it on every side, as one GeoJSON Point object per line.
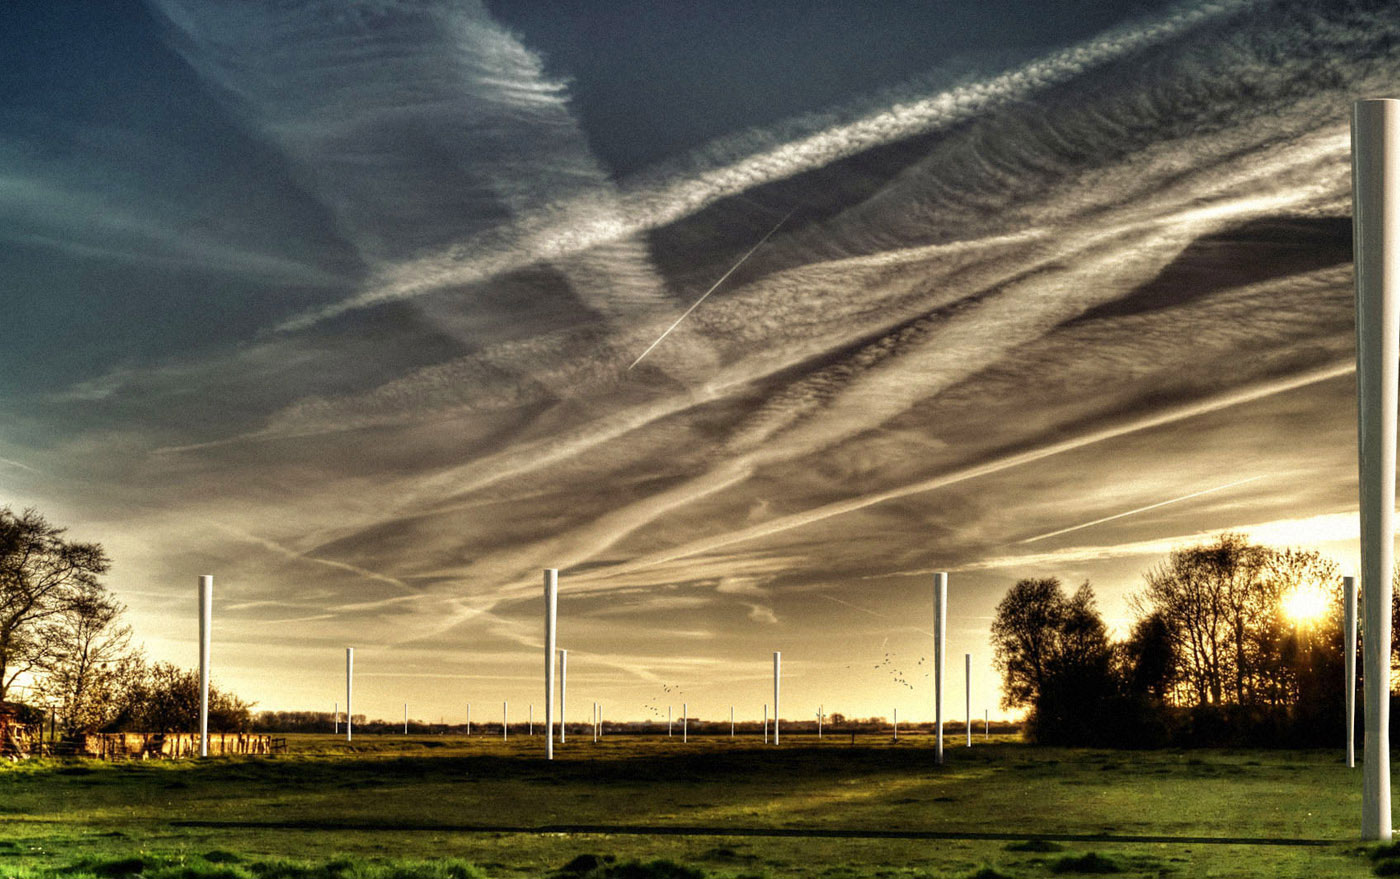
{"type": "Point", "coordinates": [345, 303]}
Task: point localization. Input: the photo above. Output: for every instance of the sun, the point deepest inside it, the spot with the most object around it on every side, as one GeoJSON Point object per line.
{"type": "Point", "coordinates": [1304, 604]}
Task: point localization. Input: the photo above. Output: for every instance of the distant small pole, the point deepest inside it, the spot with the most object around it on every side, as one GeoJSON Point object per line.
{"type": "Point", "coordinates": [349, 693]}
{"type": "Point", "coordinates": [1349, 593]}
{"type": "Point", "coordinates": [821, 715]}
{"type": "Point", "coordinates": [469, 718]}
{"type": "Point", "coordinates": [505, 720]}
{"type": "Point", "coordinates": [335, 712]}
{"type": "Point", "coordinates": [563, 696]}
{"type": "Point", "coordinates": [600, 721]}
{"type": "Point", "coordinates": [777, 676]}
{"type": "Point", "coordinates": [405, 718]}
{"type": "Point", "coordinates": [731, 721]}
{"type": "Point", "coordinates": [986, 724]}
{"type": "Point", "coordinates": [206, 624]}
{"type": "Point", "coordinates": [669, 722]}
{"type": "Point", "coordinates": [967, 676]}
{"type": "Point", "coordinates": [765, 723]}
{"type": "Point", "coordinates": [896, 724]}
{"type": "Point", "coordinates": [684, 722]}
{"type": "Point", "coordinates": [595, 723]}
{"type": "Point", "coordinates": [940, 601]}
{"type": "Point", "coordinates": [532, 718]}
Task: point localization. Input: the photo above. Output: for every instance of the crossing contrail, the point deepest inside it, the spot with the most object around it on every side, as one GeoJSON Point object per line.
{"type": "Point", "coordinates": [1175, 500]}
{"type": "Point", "coordinates": [714, 287]}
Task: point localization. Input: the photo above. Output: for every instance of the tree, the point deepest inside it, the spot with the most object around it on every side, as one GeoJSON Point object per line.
{"type": "Point", "coordinates": [90, 661]}
{"type": "Point", "coordinates": [1148, 659]}
{"type": "Point", "coordinates": [41, 575]}
{"type": "Point", "coordinates": [1024, 633]}
{"type": "Point", "coordinates": [165, 698]}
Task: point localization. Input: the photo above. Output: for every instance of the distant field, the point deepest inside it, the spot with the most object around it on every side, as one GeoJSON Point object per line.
{"type": "Point", "coordinates": [395, 807]}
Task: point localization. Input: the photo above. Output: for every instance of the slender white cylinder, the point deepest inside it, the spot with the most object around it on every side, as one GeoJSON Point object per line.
{"type": "Point", "coordinates": [335, 713]}
{"type": "Point", "coordinates": [765, 723]}
{"type": "Point", "coordinates": [563, 696]}
{"type": "Point", "coordinates": [469, 718]}
{"type": "Point", "coordinates": [1375, 143]}
{"type": "Point", "coordinates": [206, 624]}
{"type": "Point", "coordinates": [896, 724]}
{"type": "Point", "coordinates": [669, 722]}
{"type": "Point", "coordinates": [940, 610]}
{"type": "Point", "coordinates": [551, 608]}
{"type": "Point", "coordinates": [595, 723]}
{"type": "Point", "coordinates": [405, 718]}
{"type": "Point", "coordinates": [531, 721]}
{"type": "Point", "coordinates": [684, 724]}
{"type": "Point", "coordinates": [349, 693]}
{"type": "Point", "coordinates": [820, 713]}
{"type": "Point", "coordinates": [777, 677]}
{"type": "Point", "coordinates": [1349, 646]}
{"type": "Point", "coordinates": [505, 720]}
{"type": "Point", "coordinates": [731, 721]}
{"type": "Point", "coordinates": [986, 724]}
{"type": "Point", "coordinates": [967, 692]}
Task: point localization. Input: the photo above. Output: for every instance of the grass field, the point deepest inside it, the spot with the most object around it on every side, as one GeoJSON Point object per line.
{"type": "Point", "coordinates": [390, 807]}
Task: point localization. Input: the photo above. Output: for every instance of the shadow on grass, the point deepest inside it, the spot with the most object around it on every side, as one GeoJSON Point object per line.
{"type": "Point", "coordinates": [780, 832]}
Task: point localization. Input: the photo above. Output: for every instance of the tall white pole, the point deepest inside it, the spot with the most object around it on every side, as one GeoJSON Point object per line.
{"type": "Point", "coordinates": [563, 696]}
{"type": "Point", "coordinates": [595, 723]}
{"type": "Point", "coordinates": [505, 720]}
{"type": "Point", "coordinates": [336, 714]}
{"type": "Point", "coordinates": [821, 712]}
{"type": "Point", "coordinates": [405, 718]}
{"type": "Point", "coordinates": [940, 609]}
{"type": "Point", "coordinates": [896, 724]}
{"type": "Point", "coordinates": [765, 723]}
{"type": "Point", "coordinates": [1375, 149]}
{"type": "Point", "coordinates": [349, 693]}
{"type": "Point", "coordinates": [1349, 645]}
{"type": "Point", "coordinates": [967, 676]}
{"type": "Point", "coordinates": [206, 623]}
{"type": "Point", "coordinates": [685, 724]}
{"type": "Point", "coordinates": [986, 724]}
{"type": "Point", "coordinates": [777, 676]}
{"type": "Point", "coordinates": [551, 608]}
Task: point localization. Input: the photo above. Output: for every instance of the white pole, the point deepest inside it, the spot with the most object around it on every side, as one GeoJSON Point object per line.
{"type": "Point", "coordinates": [563, 696]}
{"type": "Point", "coordinates": [896, 724]}
{"type": "Point", "coordinates": [967, 677]}
{"type": "Point", "coordinates": [532, 718]}
{"type": "Point", "coordinates": [940, 601]}
{"type": "Point", "coordinates": [595, 723]}
{"type": "Point", "coordinates": [986, 724]}
{"type": "Point", "coordinates": [600, 721]}
{"type": "Point", "coordinates": [336, 714]}
{"type": "Point", "coordinates": [765, 723]}
{"type": "Point", "coordinates": [349, 693]}
{"type": "Point", "coordinates": [820, 712]}
{"type": "Point", "coordinates": [469, 718]}
{"type": "Point", "coordinates": [777, 675]}
{"type": "Point", "coordinates": [668, 722]}
{"type": "Point", "coordinates": [505, 720]}
{"type": "Point", "coordinates": [405, 718]}
{"type": "Point", "coordinates": [731, 721]}
{"type": "Point", "coordinates": [551, 607]}
{"type": "Point", "coordinates": [1376, 201]}
{"type": "Point", "coordinates": [684, 724]}
{"type": "Point", "coordinates": [206, 623]}
{"type": "Point", "coordinates": [1349, 642]}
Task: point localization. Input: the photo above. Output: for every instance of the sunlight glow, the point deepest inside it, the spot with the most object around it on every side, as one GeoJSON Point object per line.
{"type": "Point", "coordinates": [1305, 604]}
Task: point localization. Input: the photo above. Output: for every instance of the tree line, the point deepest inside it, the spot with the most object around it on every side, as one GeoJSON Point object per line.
{"type": "Point", "coordinates": [62, 632]}
{"type": "Point", "coordinates": [1233, 643]}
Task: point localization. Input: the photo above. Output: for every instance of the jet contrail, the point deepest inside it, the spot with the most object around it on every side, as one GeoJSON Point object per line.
{"type": "Point", "coordinates": [1175, 500]}
{"type": "Point", "coordinates": [714, 287]}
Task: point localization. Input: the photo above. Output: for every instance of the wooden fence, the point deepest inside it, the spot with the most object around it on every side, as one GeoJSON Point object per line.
{"type": "Point", "coordinates": [145, 746]}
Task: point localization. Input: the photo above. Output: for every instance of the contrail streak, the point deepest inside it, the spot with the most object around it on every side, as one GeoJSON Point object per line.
{"type": "Point", "coordinates": [714, 287]}
{"type": "Point", "coordinates": [1175, 500]}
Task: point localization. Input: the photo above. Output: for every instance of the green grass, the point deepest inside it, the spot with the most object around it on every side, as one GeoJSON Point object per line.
{"type": "Point", "coordinates": [390, 807]}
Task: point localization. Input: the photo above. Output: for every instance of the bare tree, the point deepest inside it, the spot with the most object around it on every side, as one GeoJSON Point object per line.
{"type": "Point", "coordinates": [41, 575]}
{"type": "Point", "coordinates": [90, 660]}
